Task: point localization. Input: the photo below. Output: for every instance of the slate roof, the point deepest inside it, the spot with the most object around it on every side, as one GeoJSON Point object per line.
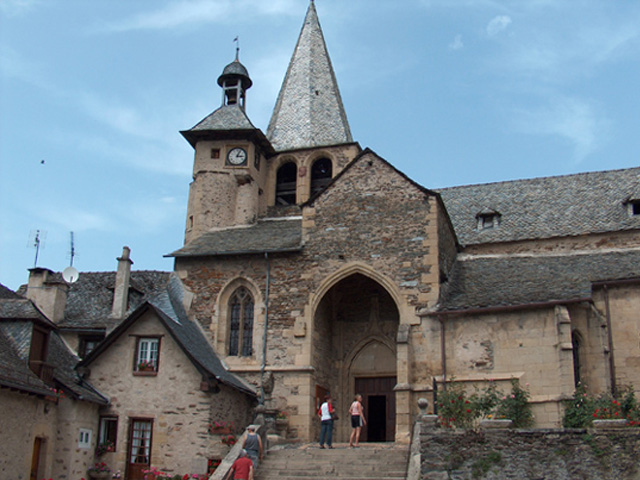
{"type": "Point", "coordinates": [168, 306]}
{"type": "Point", "coordinates": [90, 298]}
{"type": "Point", "coordinates": [269, 235]}
{"type": "Point", "coordinates": [538, 208]}
{"type": "Point", "coordinates": [14, 350]}
{"type": "Point", "coordinates": [309, 110]}
{"type": "Point", "coordinates": [503, 281]}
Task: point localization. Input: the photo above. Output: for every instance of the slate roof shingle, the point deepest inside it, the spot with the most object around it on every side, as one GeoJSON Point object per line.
{"type": "Point", "coordinates": [503, 281]}
{"type": "Point", "coordinates": [273, 235]}
{"type": "Point", "coordinates": [548, 207]}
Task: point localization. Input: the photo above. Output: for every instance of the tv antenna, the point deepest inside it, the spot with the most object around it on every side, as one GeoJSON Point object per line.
{"type": "Point", "coordinates": [71, 274]}
{"type": "Point", "coordinates": [37, 240]}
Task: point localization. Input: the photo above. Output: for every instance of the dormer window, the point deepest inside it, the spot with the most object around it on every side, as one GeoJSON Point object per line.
{"type": "Point", "coordinates": [633, 207]}
{"type": "Point", "coordinates": [487, 219]}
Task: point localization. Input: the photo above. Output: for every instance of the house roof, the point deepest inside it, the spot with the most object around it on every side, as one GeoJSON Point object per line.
{"type": "Point", "coordinates": [267, 235]}
{"type": "Point", "coordinates": [169, 309]}
{"type": "Point", "coordinates": [539, 208]}
{"type": "Point", "coordinates": [17, 313]}
{"type": "Point", "coordinates": [309, 110]}
{"type": "Point", "coordinates": [511, 280]}
{"type": "Point", "coordinates": [90, 298]}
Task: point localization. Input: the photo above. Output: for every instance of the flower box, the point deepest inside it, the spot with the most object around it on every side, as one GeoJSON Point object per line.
{"type": "Point", "coordinates": [610, 423]}
{"type": "Point", "coordinates": [495, 423]}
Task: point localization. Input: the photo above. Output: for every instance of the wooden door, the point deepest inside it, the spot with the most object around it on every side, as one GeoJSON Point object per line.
{"type": "Point", "coordinates": [139, 448]}
{"type": "Point", "coordinates": [379, 402]}
{"type": "Point", "coordinates": [35, 458]}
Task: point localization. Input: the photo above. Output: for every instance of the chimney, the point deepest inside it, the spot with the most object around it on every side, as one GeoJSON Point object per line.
{"type": "Point", "coordinates": [121, 289]}
{"type": "Point", "coordinates": [49, 295]}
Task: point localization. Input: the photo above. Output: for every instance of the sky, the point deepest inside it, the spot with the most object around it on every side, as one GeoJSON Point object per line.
{"type": "Point", "coordinates": [93, 95]}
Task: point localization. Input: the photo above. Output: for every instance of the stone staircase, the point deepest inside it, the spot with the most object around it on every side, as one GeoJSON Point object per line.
{"type": "Point", "coordinates": [370, 461]}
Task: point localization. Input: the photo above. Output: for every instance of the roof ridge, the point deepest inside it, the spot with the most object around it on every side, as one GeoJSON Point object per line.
{"type": "Point", "coordinates": [534, 179]}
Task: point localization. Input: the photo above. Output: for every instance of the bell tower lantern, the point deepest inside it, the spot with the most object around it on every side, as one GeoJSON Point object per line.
{"type": "Point", "coordinates": [235, 82]}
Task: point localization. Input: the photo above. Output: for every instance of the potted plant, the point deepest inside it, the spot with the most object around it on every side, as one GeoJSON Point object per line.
{"type": "Point", "coordinates": [221, 427]}
{"type": "Point", "coordinates": [146, 366]}
{"type": "Point", "coordinates": [104, 447]}
{"type": "Point", "coordinates": [100, 471]}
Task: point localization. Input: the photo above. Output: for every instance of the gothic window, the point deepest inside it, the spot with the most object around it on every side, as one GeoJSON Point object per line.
{"type": "Point", "coordinates": [286, 184]}
{"type": "Point", "coordinates": [321, 173]}
{"type": "Point", "coordinates": [147, 351]}
{"type": "Point", "coordinates": [241, 323]}
{"type": "Point", "coordinates": [576, 341]}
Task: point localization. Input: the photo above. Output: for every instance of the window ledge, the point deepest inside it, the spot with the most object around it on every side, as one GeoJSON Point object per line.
{"type": "Point", "coordinates": [145, 374]}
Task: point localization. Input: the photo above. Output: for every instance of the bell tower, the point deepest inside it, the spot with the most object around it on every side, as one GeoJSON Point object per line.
{"type": "Point", "coordinates": [229, 168]}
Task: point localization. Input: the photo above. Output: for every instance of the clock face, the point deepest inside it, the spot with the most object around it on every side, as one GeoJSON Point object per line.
{"type": "Point", "coordinates": [237, 156]}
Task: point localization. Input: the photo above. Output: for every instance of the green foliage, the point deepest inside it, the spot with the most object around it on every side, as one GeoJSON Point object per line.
{"type": "Point", "coordinates": [458, 409]}
{"type": "Point", "coordinates": [583, 408]}
{"type": "Point", "coordinates": [482, 466]}
{"type": "Point", "coordinates": [515, 406]}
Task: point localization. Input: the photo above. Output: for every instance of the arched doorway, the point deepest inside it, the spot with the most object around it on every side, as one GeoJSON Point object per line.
{"type": "Point", "coordinates": [354, 351]}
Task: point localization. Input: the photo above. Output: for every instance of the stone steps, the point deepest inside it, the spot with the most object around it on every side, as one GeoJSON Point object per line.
{"type": "Point", "coordinates": [371, 461]}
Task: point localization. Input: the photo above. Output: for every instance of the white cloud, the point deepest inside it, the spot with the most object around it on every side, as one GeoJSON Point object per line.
{"type": "Point", "coordinates": [498, 24]}
{"type": "Point", "coordinates": [456, 44]}
{"type": "Point", "coordinates": [17, 7]}
{"type": "Point", "coordinates": [570, 118]}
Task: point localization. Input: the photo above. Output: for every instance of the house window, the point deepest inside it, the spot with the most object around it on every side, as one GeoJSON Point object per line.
{"type": "Point", "coordinates": [321, 173]}
{"type": "Point", "coordinates": [108, 434]}
{"type": "Point", "coordinates": [241, 323]}
{"type": "Point", "coordinates": [147, 354]}
{"type": "Point", "coordinates": [38, 355]}
{"type": "Point", "coordinates": [286, 184]}
{"type": "Point", "coordinates": [88, 343]}
{"type": "Point", "coordinates": [84, 438]}
{"type": "Point", "coordinates": [140, 437]}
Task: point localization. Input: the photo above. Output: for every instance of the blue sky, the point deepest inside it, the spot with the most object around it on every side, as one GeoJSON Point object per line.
{"type": "Point", "coordinates": [451, 92]}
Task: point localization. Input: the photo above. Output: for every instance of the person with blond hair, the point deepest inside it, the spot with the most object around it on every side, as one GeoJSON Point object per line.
{"type": "Point", "coordinates": [357, 420]}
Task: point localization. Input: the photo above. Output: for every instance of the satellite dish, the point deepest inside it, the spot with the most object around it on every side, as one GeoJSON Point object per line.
{"type": "Point", "coordinates": [70, 274]}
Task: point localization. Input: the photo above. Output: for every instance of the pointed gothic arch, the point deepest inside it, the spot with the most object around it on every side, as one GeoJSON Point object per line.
{"type": "Point", "coordinates": [238, 319]}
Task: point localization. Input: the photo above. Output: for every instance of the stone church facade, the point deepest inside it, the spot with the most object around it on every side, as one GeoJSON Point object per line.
{"type": "Point", "coordinates": [357, 279]}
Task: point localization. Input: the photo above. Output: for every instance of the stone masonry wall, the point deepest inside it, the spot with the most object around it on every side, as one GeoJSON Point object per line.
{"type": "Point", "coordinates": [530, 454]}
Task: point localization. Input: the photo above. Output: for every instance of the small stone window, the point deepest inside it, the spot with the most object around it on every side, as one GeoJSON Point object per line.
{"type": "Point", "coordinates": [241, 323]}
{"type": "Point", "coordinates": [286, 184]}
{"type": "Point", "coordinates": [321, 173]}
{"type": "Point", "coordinates": [634, 208]}
{"type": "Point", "coordinates": [487, 220]}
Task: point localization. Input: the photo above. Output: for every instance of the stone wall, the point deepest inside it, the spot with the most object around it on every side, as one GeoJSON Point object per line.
{"type": "Point", "coordinates": [25, 417]}
{"type": "Point", "coordinates": [530, 454]}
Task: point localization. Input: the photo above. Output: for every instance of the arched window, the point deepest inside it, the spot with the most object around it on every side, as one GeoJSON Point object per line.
{"type": "Point", "coordinates": [576, 341]}
{"type": "Point", "coordinates": [321, 173]}
{"type": "Point", "coordinates": [241, 323]}
{"type": "Point", "coordinates": [286, 184]}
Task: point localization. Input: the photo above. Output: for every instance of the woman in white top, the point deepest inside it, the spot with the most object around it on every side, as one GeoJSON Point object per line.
{"type": "Point", "coordinates": [326, 418]}
{"type": "Point", "coordinates": [357, 420]}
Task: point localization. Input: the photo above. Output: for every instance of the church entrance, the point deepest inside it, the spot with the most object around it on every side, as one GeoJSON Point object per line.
{"type": "Point", "coordinates": [354, 345]}
{"type": "Point", "coordinates": [379, 404]}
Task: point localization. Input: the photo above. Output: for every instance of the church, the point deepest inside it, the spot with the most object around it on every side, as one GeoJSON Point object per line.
{"type": "Point", "coordinates": [312, 266]}
{"type": "Point", "coordinates": [317, 265]}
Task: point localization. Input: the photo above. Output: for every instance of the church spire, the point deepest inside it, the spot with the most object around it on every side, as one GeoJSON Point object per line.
{"type": "Point", "coordinates": [309, 110]}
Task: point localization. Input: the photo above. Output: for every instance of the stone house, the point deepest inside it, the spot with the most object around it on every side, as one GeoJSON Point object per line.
{"type": "Point", "coordinates": [128, 380]}
{"type": "Point", "coordinates": [48, 411]}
